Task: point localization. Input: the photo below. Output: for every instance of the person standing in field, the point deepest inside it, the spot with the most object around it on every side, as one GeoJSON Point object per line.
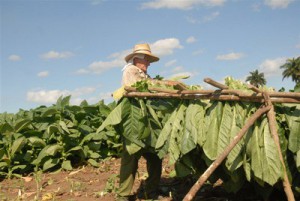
{"type": "Point", "coordinates": [136, 70]}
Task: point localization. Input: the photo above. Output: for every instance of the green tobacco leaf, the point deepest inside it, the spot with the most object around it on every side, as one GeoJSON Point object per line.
{"type": "Point", "coordinates": [50, 163]}
{"type": "Point", "coordinates": [293, 119]}
{"type": "Point", "coordinates": [27, 156]}
{"type": "Point", "coordinates": [247, 168]}
{"type": "Point", "coordinates": [116, 116]}
{"type": "Point", "coordinates": [63, 101]}
{"type": "Point", "coordinates": [6, 127]}
{"type": "Point", "coordinates": [133, 126]}
{"type": "Point", "coordinates": [194, 123]}
{"type": "Point", "coordinates": [273, 170]}
{"type": "Point", "coordinates": [17, 145]}
{"type": "Point", "coordinates": [21, 124]}
{"type": "Point", "coordinates": [212, 129]}
{"type": "Point", "coordinates": [53, 149]}
{"type": "Point", "coordinates": [77, 148]}
{"type": "Point", "coordinates": [85, 128]}
{"type": "Point", "coordinates": [36, 142]}
{"type": "Point", "coordinates": [154, 115]}
{"type": "Point", "coordinates": [52, 129]}
{"type": "Point", "coordinates": [49, 112]}
{"type": "Point", "coordinates": [49, 150]}
{"type": "Point", "coordinates": [2, 153]}
{"type": "Point", "coordinates": [162, 143]}
{"type": "Point", "coordinates": [64, 126]}
{"type": "Point", "coordinates": [94, 155]}
{"type": "Point", "coordinates": [84, 103]}
{"type": "Point", "coordinates": [132, 147]}
{"type": "Point", "coordinates": [66, 165]}
{"type": "Point", "coordinates": [144, 126]}
{"type": "Point", "coordinates": [266, 165]}
{"type": "Point", "coordinates": [104, 109]}
{"type": "Point", "coordinates": [177, 134]}
{"type": "Point", "coordinates": [92, 136]}
{"type": "Point", "coordinates": [93, 162]}
{"type": "Point", "coordinates": [18, 167]}
{"type": "Point", "coordinates": [235, 157]}
{"type": "Point", "coordinates": [3, 165]}
{"type": "Point", "coordinates": [225, 127]}
{"type": "Point", "coordinates": [254, 147]}
{"type": "Point", "coordinates": [199, 120]}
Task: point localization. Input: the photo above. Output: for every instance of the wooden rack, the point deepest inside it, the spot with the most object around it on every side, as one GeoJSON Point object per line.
{"type": "Point", "coordinates": [223, 93]}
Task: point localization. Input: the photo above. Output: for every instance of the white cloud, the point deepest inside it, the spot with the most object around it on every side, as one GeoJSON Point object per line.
{"type": "Point", "coordinates": [271, 67]}
{"type": "Point", "coordinates": [51, 96]}
{"type": "Point", "coordinates": [82, 71]}
{"type": "Point", "coordinates": [182, 5]}
{"type": "Point", "coordinates": [102, 66]}
{"type": "Point", "coordinates": [43, 96]}
{"type": "Point", "coordinates": [278, 3]}
{"type": "Point", "coordinates": [57, 55]}
{"type": "Point", "coordinates": [230, 56]}
{"type": "Point", "coordinates": [83, 90]}
{"type": "Point", "coordinates": [191, 39]}
{"type": "Point", "coordinates": [99, 67]}
{"type": "Point", "coordinates": [160, 48]}
{"type": "Point", "coordinates": [43, 74]}
{"type": "Point", "coordinates": [165, 46]}
{"type": "Point", "coordinates": [170, 63]}
{"type": "Point", "coordinates": [198, 52]}
{"type": "Point", "coordinates": [177, 69]}
{"type": "Point", "coordinates": [14, 57]}
{"type": "Point", "coordinates": [204, 19]}
{"type": "Point", "coordinates": [210, 17]}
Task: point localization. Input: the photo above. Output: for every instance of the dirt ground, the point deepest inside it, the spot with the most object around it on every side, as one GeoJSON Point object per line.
{"type": "Point", "coordinates": [88, 183]}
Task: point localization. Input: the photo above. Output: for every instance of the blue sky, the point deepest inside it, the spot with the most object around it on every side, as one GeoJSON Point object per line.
{"type": "Point", "coordinates": [53, 48]}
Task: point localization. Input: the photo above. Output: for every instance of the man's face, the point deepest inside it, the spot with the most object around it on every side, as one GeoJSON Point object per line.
{"type": "Point", "coordinates": [142, 64]}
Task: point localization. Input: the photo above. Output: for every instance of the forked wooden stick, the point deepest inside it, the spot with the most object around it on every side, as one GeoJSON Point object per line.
{"type": "Point", "coordinates": [195, 188]}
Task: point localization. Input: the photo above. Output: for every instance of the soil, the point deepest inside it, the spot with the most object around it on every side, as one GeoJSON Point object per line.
{"type": "Point", "coordinates": [88, 183]}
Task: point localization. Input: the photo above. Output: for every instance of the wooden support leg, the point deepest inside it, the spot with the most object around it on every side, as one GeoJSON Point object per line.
{"type": "Point", "coordinates": [273, 129]}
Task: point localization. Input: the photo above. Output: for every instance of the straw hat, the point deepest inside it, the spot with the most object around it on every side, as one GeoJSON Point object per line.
{"type": "Point", "coordinates": [142, 49]}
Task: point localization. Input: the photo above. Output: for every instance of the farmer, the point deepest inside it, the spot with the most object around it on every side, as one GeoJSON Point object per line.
{"type": "Point", "coordinates": [136, 70]}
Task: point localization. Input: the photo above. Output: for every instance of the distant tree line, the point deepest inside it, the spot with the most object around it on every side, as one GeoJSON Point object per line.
{"type": "Point", "coordinates": [291, 68]}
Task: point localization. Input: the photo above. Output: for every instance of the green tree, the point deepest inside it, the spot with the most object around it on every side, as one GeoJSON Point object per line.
{"type": "Point", "coordinates": [256, 78]}
{"type": "Point", "coordinates": [292, 69]}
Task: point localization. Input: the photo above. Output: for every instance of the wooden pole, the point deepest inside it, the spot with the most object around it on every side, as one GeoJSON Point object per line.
{"type": "Point", "coordinates": [215, 84]}
{"type": "Point", "coordinates": [239, 93]}
{"type": "Point", "coordinates": [273, 128]}
{"type": "Point", "coordinates": [195, 188]}
{"type": "Point", "coordinates": [217, 97]}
